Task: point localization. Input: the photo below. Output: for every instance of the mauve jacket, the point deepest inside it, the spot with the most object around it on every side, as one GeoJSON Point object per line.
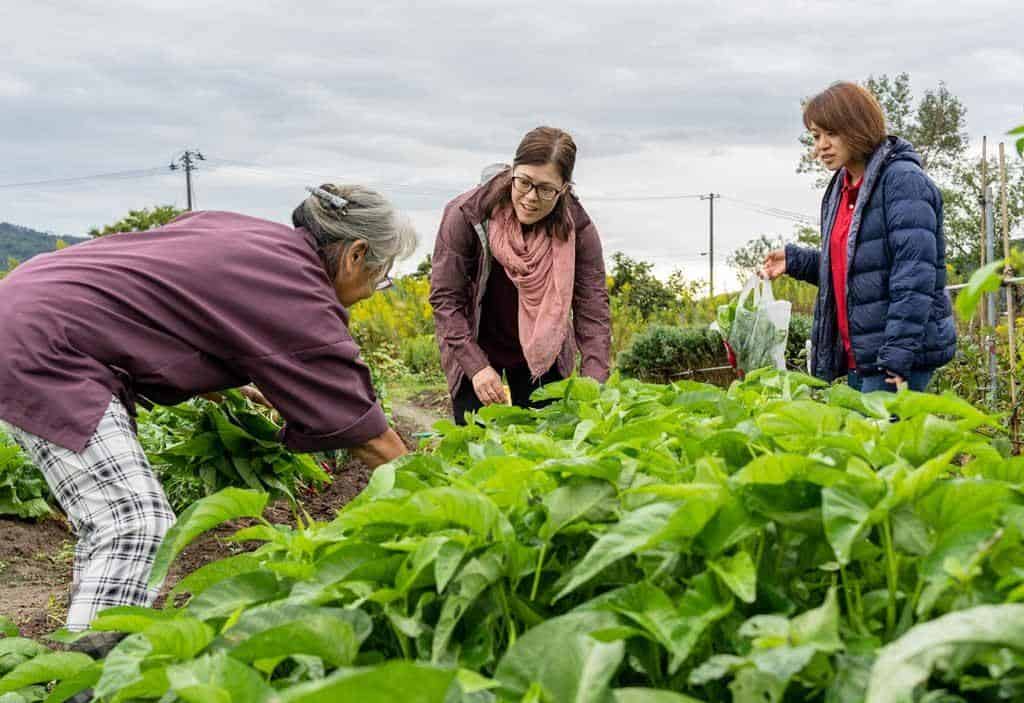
{"type": "Point", "coordinates": [212, 300]}
{"type": "Point", "coordinates": [461, 265]}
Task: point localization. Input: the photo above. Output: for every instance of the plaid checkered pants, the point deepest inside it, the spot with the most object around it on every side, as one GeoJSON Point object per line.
{"type": "Point", "coordinates": [117, 509]}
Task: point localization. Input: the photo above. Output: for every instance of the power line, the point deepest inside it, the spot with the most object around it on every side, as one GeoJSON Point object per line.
{"type": "Point", "coordinates": [790, 215]}
{"type": "Point", "coordinates": [780, 213]}
{"type": "Point", "coordinates": [641, 198]}
{"type": "Point", "coordinates": [113, 175]}
{"type": "Point", "coordinates": [795, 220]}
{"type": "Point", "coordinates": [188, 162]}
{"type": "Point", "coordinates": [292, 172]}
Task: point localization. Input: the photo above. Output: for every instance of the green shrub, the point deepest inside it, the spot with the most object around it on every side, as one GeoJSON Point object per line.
{"type": "Point", "coordinates": [662, 353]}
{"type": "Point", "coordinates": [799, 333]}
{"type": "Point", "coordinates": [421, 356]}
{"type": "Point", "coordinates": [394, 315]}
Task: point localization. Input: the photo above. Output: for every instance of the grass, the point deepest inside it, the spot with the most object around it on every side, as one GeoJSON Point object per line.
{"type": "Point", "coordinates": [409, 386]}
{"type": "Point", "coordinates": [65, 554]}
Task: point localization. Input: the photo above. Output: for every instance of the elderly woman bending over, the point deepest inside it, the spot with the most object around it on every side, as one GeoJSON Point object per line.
{"type": "Point", "coordinates": [211, 301]}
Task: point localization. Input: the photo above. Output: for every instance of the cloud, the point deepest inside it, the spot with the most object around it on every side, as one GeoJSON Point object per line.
{"type": "Point", "coordinates": [661, 96]}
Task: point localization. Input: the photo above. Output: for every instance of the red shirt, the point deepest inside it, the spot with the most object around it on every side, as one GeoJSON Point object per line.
{"type": "Point", "coordinates": [837, 259]}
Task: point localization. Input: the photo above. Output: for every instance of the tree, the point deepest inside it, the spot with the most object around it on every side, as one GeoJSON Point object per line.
{"type": "Point", "coordinates": [939, 131]}
{"type": "Point", "coordinates": [626, 271]}
{"type": "Point", "coordinates": [747, 259]}
{"type": "Point", "coordinates": [807, 236]}
{"type": "Point", "coordinates": [685, 290]}
{"type": "Point", "coordinates": [962, 203]}
{"type": "Point", "coordinates": [140, 220]}
{"type": "Point", "coordinates": [22, 243]}
{"type": "Point", "coordinates": [424, 268]}
{"type": "Point", "coordinates": [11, 264]}
{"type": "Point", "coordinates": [636, 285]}
{"type": "Point", "coordinates": [936, 127]}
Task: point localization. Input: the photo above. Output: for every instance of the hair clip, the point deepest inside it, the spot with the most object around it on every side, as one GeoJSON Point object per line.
{"type": "Point", "coordinates": [336, 202]}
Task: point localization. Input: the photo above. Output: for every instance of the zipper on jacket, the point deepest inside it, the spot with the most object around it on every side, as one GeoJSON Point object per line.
{"type": "Point", "coordinates": [485, 273]}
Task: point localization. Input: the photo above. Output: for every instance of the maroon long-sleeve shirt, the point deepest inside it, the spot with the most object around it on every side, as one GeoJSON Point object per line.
{"type": "Point", "coordinates": [210, 301]}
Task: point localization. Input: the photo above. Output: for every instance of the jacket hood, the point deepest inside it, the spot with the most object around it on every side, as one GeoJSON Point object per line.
{"type": "Point", "coordinates": [899, 149]}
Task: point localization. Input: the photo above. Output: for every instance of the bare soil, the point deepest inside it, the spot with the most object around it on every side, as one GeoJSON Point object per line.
{"type": "Point", "coordinates": [35, 573]}
{"type": "Point", "coordinates": [437, 400]}
{"type": "Point", "coordinates": [36, 557]}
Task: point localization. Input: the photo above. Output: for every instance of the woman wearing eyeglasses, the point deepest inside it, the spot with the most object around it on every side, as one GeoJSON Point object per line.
{"type": "Point", "coordinates": [213, 300]}
{"type": "Point", "coordinates": [518, 281]}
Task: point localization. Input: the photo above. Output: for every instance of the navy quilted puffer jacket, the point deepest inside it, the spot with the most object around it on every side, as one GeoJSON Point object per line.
{"type": "Point", "coordinates": [899, 313]}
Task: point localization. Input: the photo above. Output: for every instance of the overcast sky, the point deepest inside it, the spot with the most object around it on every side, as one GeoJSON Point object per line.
{"type": "Point", "coordinates": [414, 98]}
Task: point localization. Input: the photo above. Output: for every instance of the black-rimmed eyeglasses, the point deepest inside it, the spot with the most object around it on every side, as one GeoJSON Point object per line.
{"type": "Point", "coordinates": [545, 191]}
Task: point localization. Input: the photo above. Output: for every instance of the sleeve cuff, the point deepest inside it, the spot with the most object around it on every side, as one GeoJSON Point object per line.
{"type": "Point", "coordinates": [472, 360]}
{"type": "Point", "coordinates": [896, 365]}
{"type": "Point", "coordinates": [791, 252]}
{"type": "Point", "coordinates": [371, 424]}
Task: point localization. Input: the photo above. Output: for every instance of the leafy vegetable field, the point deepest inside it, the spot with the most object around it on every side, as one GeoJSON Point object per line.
{"type": "Point", "coordinates": [200, 447]}
{"type": "Point", "coordinates": [631, 543]}
{"type": "Point", "coordinates": [196, 448]}
{"type": "Point", "coordinates": [23, 490]}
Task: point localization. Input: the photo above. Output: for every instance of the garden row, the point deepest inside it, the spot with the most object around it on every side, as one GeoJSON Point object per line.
{"type": "Point", "coordinates": [196, 449]}
{"type": "Point", "coordinates": [631, 543]}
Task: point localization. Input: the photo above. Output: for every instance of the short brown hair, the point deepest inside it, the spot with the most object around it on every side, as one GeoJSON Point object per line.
{"type": "Point", "coordinates": [850, 111]}
{"type": "Point", "coordinates": [542, 145]}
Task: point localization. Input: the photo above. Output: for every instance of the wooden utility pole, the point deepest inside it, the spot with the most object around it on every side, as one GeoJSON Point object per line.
{"type": "Point", "coordinates": [710, 197]}
{"type": "Point", "coordinates": [187, 162]}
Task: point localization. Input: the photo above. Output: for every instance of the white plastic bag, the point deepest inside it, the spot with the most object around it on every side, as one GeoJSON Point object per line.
{"type": "Point", "coordinates": [755, 327]}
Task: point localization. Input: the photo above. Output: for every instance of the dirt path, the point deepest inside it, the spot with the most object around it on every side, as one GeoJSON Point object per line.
{"type": "Point", "coordinates": [409, 414]}
{"type": "Point", "coordinates": [36, 557]}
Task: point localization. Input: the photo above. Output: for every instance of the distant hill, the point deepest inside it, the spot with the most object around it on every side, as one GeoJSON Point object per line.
{"type": "Point", "coordinates": [22, 243]}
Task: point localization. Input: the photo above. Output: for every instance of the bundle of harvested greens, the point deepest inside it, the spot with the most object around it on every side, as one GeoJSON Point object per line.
{"type": "Point", "coordinates": [754, 326]}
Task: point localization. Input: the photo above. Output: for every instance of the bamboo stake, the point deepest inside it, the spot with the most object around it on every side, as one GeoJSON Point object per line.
{"type": "Point", "coordinates": [1010, 312]}
{"type": "Point", "coordinates": [981, 253]}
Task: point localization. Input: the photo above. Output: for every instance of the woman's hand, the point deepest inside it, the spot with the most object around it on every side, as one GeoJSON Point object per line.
{"type": "Point", "coordinates": [253, 393]}
{"type": "Point", "coordinates": [487, 386]}
{"type": "Point", "coordinates": [774, 265]}
{"type": "Point", "coordinates": [380, 450]}
{"type": "Point", "coordinates": [895, 379]}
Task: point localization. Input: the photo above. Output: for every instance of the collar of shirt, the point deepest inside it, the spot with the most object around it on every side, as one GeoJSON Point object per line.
{"type": "Point", "coordinates": [850, 189]}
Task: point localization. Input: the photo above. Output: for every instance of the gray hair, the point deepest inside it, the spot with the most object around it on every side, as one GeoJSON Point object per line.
{"type": "Point", "coordinates": [367, 216]}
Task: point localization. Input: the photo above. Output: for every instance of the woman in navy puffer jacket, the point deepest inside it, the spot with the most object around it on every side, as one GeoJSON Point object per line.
{"type": "Point", "coordinates": [882, 315]}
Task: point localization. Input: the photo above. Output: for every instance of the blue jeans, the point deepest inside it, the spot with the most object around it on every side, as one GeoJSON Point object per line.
{"type": "Point", "coordinates": [869, 382]}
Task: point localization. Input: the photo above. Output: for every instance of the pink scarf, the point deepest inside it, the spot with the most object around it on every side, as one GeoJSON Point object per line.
{"type": "Point", "coordinates": [543, 270]}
